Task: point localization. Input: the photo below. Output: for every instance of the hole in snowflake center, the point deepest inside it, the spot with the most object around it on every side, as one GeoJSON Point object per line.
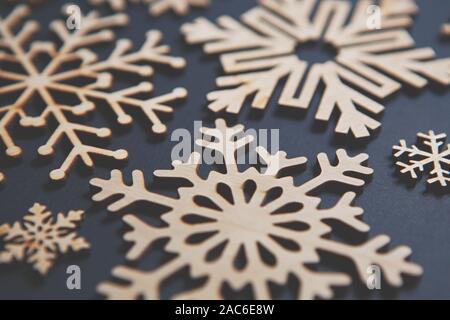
{"type": "Point", "coordinates": [314, 52]}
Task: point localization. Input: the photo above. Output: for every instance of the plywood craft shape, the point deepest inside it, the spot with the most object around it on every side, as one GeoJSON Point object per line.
{"type": "Point", "coordinates": [258, 53]}
{"type": "Point", "coordinates": [157, 7]}
{"type": "Point", "coordinates": [258, 213]}
{"type": "Point", "coordinates": [55, 79]}
{"type": "Point", "coordinates": [431, 155]}
{"type": "Point", "coordinates": [39, 238]}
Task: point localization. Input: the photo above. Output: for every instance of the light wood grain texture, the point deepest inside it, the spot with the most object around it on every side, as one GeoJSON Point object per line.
{"type": "Point", "coordinates": [237, 211]}
{"type": "Point", "coordinates": [39, 238]}
{"type": "Point", "coordinates": [157, 7]}
{"type": "Point", "coordinates": [257, 54]}
{"type": "Point", "coordinates": [431, 155]}
{"type": "Point", "coordinates": [88, 82]}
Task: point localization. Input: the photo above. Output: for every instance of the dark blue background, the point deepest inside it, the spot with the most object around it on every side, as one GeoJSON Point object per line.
{"type": "Point", "coordinates": [411, 215]}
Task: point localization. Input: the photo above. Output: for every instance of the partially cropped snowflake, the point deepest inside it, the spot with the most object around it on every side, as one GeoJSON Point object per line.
{"type": "Point", "coordinates": [75, 71]}
{"type": "Point", "coordinates": [157, 7]}
{"type": "Point", "coordinates": [432, 155]}
{"type": "Point", "coordinates": [259, 53]}
{"type": "Point", "coordinates": [39, 239]}
{"type": "Point", "coordinates": [278, 227]}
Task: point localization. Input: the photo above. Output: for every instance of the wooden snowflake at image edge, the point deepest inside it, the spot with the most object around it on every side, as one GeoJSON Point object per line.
{"type": "Point", "coordinates": [258, 52]}
{"type": "Point", "coordinates": [432, 155]}
{"type": "Point", "coordinates": [75, 47]}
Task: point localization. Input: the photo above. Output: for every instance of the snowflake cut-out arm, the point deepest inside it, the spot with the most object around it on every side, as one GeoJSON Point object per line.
{"type": "Point", "coordinates": [279, 161]}
{"type": "Point", "coordinates": [339, 172]}
{"type": "Point", "coordinates": [130, 194]}
{"type": "Point", "coordinates": [227, 141]}
{"type": "Point", "coordinates": [393, 263]}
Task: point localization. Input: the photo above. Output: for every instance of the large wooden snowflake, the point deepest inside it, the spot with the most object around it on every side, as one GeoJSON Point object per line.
{"type": "Point", "coordinates": [39, 239]}
{"type": "Point", "coordinates": [259, 52]}
{"type": "Point", "coordinates": [89, 81]}
{"type": "Point", "coordinates": [279, 227]}
{"type": "Point", "coordinates": [431, 155]}
{"type": "Point", "coordinates": [157, 7]}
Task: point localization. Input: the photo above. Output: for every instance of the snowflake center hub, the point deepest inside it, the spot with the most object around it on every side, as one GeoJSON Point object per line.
{"type": "Point", "coordinates": [316, 52]}
{"type": "Point", "coordinates": [38, 81]}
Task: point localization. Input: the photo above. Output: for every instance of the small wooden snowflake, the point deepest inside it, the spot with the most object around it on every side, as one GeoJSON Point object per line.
{"type": "Point", "coordinates": [38, 239]}
{"type": "Point", "coordinates": [431, 155]}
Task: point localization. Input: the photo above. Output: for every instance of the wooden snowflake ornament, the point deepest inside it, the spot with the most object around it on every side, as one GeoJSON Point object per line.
{"type": "Point", "coordinates": [258, 53]}
{"type": "Point", "coordinates": [431, 155]}
{"type": "Point", "coordinates": [278, 226]}
{"type": "Point", "coordinates": [157, 7]}
{"type": "Point", "coordinates": [87, 82]}
{"type": "Point", "coordinates": [39, 239]}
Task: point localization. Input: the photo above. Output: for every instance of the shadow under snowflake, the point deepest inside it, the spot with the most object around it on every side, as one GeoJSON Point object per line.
{"type": "Point", "coordinates": [258, 53]}
{"type": "Point", "coordinates": [217, 218]}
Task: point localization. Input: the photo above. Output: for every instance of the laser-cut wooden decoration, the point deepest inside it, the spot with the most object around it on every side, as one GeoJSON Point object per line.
{"type": "Point", "coordinates": [38, 239]}
{"type": "Point", "coordinates": [53, 79]}
{"type": "Point", "coordinates": [259, 52]}
{"type": "Point", "coordinates": [157, 7]}
{"type": "Point", "coordinates": [432, 155]}
{"type": "Point", "coordinates": [233, 217]}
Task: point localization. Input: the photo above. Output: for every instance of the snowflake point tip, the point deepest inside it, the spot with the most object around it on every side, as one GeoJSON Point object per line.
{"type": "Point", "coordinates": [58, 175]}
{"type": "Point", "coordinates": [121, 154]}
{"type": "Point", "coordinates": [46, 150]}
{"type": "Point", "coordinates": [178, 63]}
{"type": "Point", "coordinates": [14, 151]}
